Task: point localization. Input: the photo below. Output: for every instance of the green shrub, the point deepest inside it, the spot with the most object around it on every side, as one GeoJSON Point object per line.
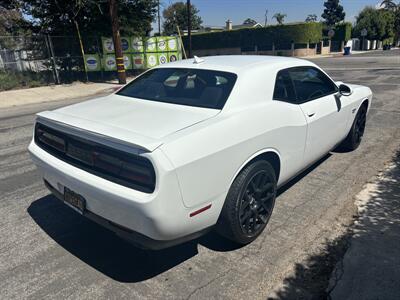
{"type": "Point", "coordinates": [280, 35]}
{"type": "Point", "coordinates": [342, 32]}
{"type": "Point", "coordinates": [14, 80]}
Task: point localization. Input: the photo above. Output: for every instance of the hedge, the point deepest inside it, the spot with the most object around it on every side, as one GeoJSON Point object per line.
{"type": "Point", "coordinates": [342, 32]}
{"type": "Point", "coordinates": [280, 35]}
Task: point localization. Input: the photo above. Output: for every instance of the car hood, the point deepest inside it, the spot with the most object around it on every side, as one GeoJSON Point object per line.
{"type": "Point", "coordinates": [135, 121]}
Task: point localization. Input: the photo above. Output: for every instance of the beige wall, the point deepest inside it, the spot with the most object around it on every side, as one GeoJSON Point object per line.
{"type": "Point", "coordinates": [325, 50]}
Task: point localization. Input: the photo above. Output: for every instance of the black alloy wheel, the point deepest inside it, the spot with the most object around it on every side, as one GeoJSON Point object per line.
{"type": "Point", "coordinates": [256, 204]}
{"type": "Point", "coordinates": [249, 203]}
{"type": "Point", "coordinates": [359, 127]}
{"type": "Point", "coordinates": [357, 130]}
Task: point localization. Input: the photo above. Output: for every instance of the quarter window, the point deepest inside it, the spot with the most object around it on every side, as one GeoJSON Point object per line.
{"type": "Point", "coordinates": [284, 90]}
{"type": "Point", "coordinates": [310, 83]}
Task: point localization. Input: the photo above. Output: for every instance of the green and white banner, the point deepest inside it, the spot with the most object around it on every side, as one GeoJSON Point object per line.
{"type": "Point", "coordinates": [139, 53]}
{"type": "Point", "coordinates": [109, 62]}
{"type": "Point", "coordinates": [151, 44]}
{"type": "Point", "coordinates": [151, 60]}
{"type": "Point", "coordinates": [162, 44]}
{"type": "Point", "coordinates": [172, 43]}
{"type": "Point", "coordinates": [108, 45]}
{"type": "Point", "coordinates": [126, 44]}
{"type": "Point", "coordinates": [127, 62]}
{"type": "Point", "coordinates": [92, 62]}
{"type": "Point", "coordinates": [162, 58]}
{"type": "Point", "coordinates": [137, 44]}
{"type": "Point", "coordinates": [138, 61]}
{"type": "Point", "coordinates": [172, 56]}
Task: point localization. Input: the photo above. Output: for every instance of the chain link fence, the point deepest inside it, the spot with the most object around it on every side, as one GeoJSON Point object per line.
{"type": "Point", "coordinates": [43, 59]}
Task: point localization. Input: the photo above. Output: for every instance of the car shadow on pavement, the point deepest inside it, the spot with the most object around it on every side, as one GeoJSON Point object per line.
{"type": "Point", "coordinates": [364, 261]}
{"type": "Point", "coordinates": [101, 248]}
{"type": "Point", "coordinates": [105, 251]}
{"type": "Point", "coordinates": [111, 255]}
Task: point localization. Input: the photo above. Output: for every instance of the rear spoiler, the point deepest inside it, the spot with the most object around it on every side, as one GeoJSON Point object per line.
{"type": "Point", "coordinates": [112, 136]}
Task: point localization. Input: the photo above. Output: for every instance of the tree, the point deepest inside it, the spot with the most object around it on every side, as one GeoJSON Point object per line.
{"type": "Point", "coordinates": [379, 23]}
{"type": "Point", "coordinates": [312, 18]}
{"type": "Point", "coordinates": [176, 14]}
{"type": "Point", "coordinates": [279, 18]}
{"type": "Point", "coordinates": [57, 17]}
{"type": "Point", "coordinates": [390, 4]}
{"type": "Point", "coordinates": [395, 8]}
{"type": "Point", "coordinates": [333, 13]}
{"type": "Point", "coordinates": [249, 21]}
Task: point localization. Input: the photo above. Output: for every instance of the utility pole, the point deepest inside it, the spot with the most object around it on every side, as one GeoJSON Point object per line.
{"type": "Point", "coordinates": [119, 59]}
{"type": "Point", "coordinates": [189, 21]}
{"type": "Point", "coordinates": [266, 18]}
{"type": "Point", "coordinates": [158, 16]}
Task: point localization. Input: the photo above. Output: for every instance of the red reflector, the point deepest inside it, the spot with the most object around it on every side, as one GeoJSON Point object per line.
{"type": "Point", "coordinates": [200, 210]}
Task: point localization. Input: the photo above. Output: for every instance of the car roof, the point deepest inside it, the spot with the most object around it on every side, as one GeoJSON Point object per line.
{"type": "Point", "coordinates": [238, 63]}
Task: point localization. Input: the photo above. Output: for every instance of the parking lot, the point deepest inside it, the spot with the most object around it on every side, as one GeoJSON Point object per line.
{"type": "Point", "coordinates": [49, 251]}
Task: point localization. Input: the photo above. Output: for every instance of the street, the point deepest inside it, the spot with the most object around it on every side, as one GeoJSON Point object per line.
{"type": "Point", "coordinates": [49, 251]}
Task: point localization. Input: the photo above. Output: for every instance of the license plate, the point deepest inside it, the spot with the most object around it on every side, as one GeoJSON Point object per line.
{"type": "Point", "coordinates": [74, 200]}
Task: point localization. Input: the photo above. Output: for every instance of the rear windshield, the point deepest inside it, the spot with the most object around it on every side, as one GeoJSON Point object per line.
{"type": "Point", "coordinates": [193, 87]}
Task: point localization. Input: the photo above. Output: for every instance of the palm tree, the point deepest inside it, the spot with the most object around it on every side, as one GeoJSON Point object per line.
{"type": "Point", "coordinates": [279, 18]}
{"type": "Point", "coordinates": [390, 5]}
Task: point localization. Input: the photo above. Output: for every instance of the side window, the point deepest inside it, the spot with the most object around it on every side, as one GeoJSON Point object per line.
{"type": "Point", "coordinates": [310, 83]}
{"type": "Point", "coordinates": [284, 90]}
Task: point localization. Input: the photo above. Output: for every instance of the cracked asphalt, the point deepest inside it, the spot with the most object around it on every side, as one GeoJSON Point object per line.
{"type": "Point", "coordinates": [48, 251]}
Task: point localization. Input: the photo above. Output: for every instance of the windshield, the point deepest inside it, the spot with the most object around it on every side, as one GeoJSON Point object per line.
{"type": "Point", "coordinates": [193, 87]}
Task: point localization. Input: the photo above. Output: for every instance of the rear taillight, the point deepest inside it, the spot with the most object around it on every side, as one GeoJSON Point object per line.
{"type": "Point", "coordinates": [50, 139]}
{"type": "Point", "coordinates": [121, 167]}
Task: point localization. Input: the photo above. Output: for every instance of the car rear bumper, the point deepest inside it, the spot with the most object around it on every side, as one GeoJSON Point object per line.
{"type": "Point", "coordinates": [127, 234]}
{"type": "Point", "coordinates": [155, 220]}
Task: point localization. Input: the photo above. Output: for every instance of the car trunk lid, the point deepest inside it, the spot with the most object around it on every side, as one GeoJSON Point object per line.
{"type": "Point", "coordinates": [134, 121]}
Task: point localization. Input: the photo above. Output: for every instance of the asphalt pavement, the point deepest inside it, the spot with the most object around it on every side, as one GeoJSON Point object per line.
{"type": "Point", "coordinates": [48, 251]}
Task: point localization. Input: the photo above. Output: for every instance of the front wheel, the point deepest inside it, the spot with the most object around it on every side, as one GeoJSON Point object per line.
{"type": "Point", "coordinates": [249, 203]}
{"type": "Point", "coordinates": [356, 133]}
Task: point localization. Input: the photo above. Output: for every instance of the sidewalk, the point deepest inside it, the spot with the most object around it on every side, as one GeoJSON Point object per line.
{"type": "Point", "coordinates": [54, 93]}
{"type": "Point", "coordinates": [371, 266]}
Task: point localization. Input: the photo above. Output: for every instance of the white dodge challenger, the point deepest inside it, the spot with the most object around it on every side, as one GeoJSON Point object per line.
{"type": "Point", "coordinates": [196, 144]}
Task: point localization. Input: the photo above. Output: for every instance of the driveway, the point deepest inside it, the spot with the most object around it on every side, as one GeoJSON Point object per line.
{"type": "Point", "coordinates": [49, 251]}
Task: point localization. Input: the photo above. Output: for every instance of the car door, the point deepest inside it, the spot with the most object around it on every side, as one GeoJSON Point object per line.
{"type": "Point", "coordinates": [293, 131]}
{"type": "Point", "coordinates": [318, 98]}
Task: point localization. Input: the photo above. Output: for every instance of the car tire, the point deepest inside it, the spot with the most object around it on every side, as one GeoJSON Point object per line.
{"type": "Point", "coordinates": [356, 133]}
{"type": "Point", "coordinates": [249, 203]}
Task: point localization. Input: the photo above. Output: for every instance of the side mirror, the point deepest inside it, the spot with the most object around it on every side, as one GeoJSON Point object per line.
{"type": "Point", "coordinates": [345, 90]}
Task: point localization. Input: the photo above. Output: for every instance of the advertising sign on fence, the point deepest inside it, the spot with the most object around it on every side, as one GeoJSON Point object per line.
{"type": "Point", "coordinates": [172, 43]}
{"type": "Point", "coordinates": [161, 44]}
{"type": "Point", "coordinates": [162, 58]}
{"type": "Point", "coordinates": [109, 62]}
{"type": "Point", "coordinates": [151, 60]}
{"type": "Point", "coordinates": [138, 61]}
{"type": "Point", "coordinates": [137, 44]}
{"type": "Point", "coordinates": [172, 56]}
{"type": "Point", "coordinates": [151, 44]}
{"type": "Point", "coordinates": [92, 62]}
{"type": "Point", "coordinates": [127, 62]}
{"type": "Point", "coordinates": [140, 53]}
{"type": "Point", "coordinates": [108, 45]}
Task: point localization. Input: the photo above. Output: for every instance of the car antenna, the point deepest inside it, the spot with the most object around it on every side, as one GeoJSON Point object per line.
{"type": "Point", "coordinates": [197, 60]}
